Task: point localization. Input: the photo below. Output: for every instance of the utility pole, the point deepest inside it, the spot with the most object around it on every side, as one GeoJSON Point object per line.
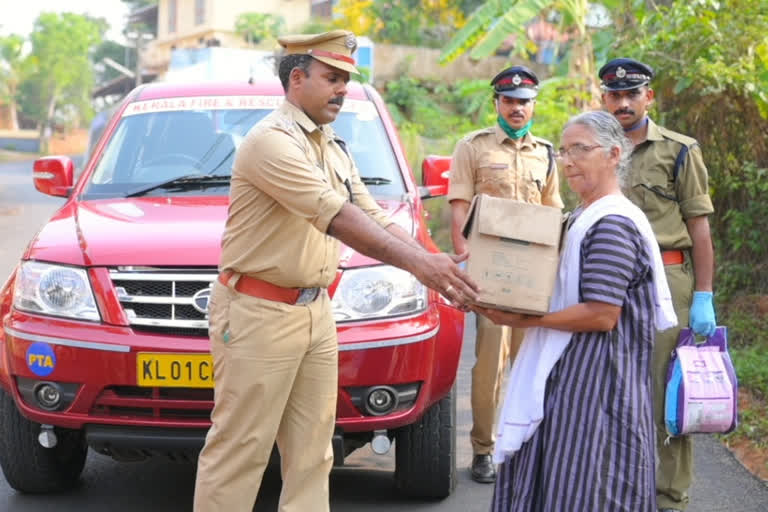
{"type": "Point", "coordinates": [139, 40]}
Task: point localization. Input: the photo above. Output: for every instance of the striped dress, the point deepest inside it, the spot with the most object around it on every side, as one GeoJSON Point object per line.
{"type": "Point", "coordinates": [594, 451]}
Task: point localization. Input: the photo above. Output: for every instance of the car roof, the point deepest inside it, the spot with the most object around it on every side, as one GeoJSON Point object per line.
{"type": "Point", "coordinates": [265, 86]}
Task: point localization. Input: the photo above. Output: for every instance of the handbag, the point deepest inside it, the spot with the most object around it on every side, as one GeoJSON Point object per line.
{"type": "Point", "coordinates": [702, 389]}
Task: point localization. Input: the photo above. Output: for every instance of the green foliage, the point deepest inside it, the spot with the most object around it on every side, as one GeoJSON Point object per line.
{"type": "Point", "coordinates": [426, 23]}
{"type": "Point", "coordinates": [316, 26]}
{"type": "Point", "coordinates": [13, 69]}
{"type": "Point", "coordinates": [427, 105]}
{"type": "Point", "coordinates": [751, 364]}
{"type": "Point", "coordinates": [512, 22]}
{"type": "Point", "coordinates": [476, 27]}
{"type": "Point", "coordinates": [63, 74]}
{"type": "Point", "coordinates": [256, 27]}
{"type": "Point", "coordinates": [753, 425]}
{"type": "Point", "coordinates": [711, 58]}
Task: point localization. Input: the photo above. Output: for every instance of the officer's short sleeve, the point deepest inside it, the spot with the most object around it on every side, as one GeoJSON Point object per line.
{"type": "Point", "coordinates": [363, 199]}
{"type": "Point", "coordinates": [692, 186]}
{"type": "Point", "coordinates": [275, 163]}
{"type": "Point", "coordinates": [461, 183]}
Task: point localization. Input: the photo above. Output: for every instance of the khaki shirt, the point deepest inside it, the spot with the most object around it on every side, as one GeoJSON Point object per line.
{"type": "Point", "coordinates": [668, 201]}
{"type": "Point", "coordinates": [489, 162]}
{"type": "Point", "coordinates": [287, 186]}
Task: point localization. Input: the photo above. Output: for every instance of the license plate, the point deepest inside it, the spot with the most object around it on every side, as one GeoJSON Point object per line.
{"type": "Point", "coordinates": [174, 370]}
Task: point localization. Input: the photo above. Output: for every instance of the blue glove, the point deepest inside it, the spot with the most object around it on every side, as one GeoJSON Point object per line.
{"type": "Point", "coordinates": [702, 315]}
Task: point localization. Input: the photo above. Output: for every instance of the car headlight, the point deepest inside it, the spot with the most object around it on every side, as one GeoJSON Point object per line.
{"type": "Point", "coordinates": [376, 292]}
{"type": "Point", "coordinates": [54, 290]}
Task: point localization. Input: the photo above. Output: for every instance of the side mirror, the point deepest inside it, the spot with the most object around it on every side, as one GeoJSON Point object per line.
{"type": "Point", "coordinates": [434, 176]}
{"type": "Point", "coordinates": [53, 175]}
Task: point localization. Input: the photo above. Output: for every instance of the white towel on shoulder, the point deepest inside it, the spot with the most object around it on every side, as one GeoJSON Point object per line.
{"type": "Point", "coordinates": [523, 407]}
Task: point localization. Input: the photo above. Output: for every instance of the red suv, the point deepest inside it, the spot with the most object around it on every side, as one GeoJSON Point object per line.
{"type": "Point", "coordinates": [104, 329]}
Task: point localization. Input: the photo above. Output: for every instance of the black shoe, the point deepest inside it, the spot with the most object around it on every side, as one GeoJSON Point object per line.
{"type": "Point", "coordinates": [483, 470]}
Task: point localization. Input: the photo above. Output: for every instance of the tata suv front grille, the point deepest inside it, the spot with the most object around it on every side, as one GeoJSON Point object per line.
{"type": "Point", "coordinates": [165, 301]}
{"type": "Point", "coordinates": [177, 404]}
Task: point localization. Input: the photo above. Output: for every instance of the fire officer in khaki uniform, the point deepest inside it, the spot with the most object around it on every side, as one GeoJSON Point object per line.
{"type": "Point", "coordinates": [504, 160]}
{"type": "Point", "coordinates": [668, 181]}
{"type": "Point", "coordinates": [294, 192]}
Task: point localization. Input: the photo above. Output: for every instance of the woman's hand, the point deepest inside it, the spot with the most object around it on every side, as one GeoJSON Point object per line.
{"type": "Point", "coordinates": [499, 317]}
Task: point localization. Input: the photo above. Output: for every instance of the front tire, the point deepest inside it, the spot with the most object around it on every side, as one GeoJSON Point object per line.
{"type": "Point", "coordinates": [425, 452]}
{"type": "Point", "coordinates": [28, 466]}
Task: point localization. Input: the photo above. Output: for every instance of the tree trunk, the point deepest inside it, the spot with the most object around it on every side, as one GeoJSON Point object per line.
{"type": "Point", "coordinates": [14, 115]}
{"type": "Point", "coordinates": [46, 128]}
{"type": "Point", "coordinates": [582, 66]}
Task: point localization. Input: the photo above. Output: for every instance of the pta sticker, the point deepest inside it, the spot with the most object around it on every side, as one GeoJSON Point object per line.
{"type": "Point", "coordinates": [41, 359]}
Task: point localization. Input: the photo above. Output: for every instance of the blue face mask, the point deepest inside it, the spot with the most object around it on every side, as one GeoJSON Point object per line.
{"type": "Point", "coordinates": [511, 132]}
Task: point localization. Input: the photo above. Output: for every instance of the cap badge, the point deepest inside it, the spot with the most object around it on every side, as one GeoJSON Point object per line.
{"type": "Point", "coordinates": [350, 42]}
{"type": "Point", "coordinates": [516, 79]}
{"type": "Point", "coordinates": [621, 72]}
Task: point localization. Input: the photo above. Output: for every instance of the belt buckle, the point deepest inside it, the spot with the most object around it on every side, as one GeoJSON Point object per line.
{"type": "Point", "coordinates": [307, 295]}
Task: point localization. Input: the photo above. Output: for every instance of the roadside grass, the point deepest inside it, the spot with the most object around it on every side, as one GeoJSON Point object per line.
{"type": "Point", "coordinates": [747, 321]}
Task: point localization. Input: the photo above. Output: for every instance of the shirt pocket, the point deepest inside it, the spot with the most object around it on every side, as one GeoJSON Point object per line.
{"type": "Point", "coordinates": [536, 168]}
{"type": "Point", "coordinates": [494, 175]}
{"type": "Point", "coordinates": [654, 185]}
{"type": "Point", "coordinates": [537, 179]}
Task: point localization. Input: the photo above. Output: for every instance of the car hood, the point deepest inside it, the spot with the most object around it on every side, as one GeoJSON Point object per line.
{"type": "Point", "coordinates": [156, 231]}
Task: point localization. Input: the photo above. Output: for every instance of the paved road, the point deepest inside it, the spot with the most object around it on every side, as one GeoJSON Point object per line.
{"type": "Point", "coordinates": [722, 485]}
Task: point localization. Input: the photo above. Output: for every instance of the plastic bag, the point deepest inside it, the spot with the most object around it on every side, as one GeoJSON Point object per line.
{"type": "Point", "coordinates": [702, 390]}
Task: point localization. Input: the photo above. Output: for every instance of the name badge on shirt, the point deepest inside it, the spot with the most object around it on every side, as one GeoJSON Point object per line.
{"type": "Point", "coordinates": [498, 166]}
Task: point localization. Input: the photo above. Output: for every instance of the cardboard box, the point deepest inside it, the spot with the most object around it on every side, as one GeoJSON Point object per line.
{"type": "Point", "coordinates": [514, 251]}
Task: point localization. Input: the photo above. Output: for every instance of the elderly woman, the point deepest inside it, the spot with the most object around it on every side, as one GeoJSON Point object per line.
{"type": "Point", "coordinates": [576, 431]}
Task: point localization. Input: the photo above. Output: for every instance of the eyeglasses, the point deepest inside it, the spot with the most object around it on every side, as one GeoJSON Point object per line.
{"type": "Point", "coordinates": [576, 151]}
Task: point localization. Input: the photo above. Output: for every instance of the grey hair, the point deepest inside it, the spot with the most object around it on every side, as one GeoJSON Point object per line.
{"type": "Point", "coordinates": [608, 133]}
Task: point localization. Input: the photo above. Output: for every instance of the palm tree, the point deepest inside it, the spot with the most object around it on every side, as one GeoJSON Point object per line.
{"type": "Point", "coordinates": [496, 20]}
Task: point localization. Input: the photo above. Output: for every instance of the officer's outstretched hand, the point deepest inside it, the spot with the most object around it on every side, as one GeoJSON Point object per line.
{"type": "Point", "coordinates": [441, 273]}
{"type": "Point", "coordinates": [702, 315]}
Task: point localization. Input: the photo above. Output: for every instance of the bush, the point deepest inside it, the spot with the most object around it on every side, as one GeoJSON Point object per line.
{"type": "Point", "coordinates": [711, 61]}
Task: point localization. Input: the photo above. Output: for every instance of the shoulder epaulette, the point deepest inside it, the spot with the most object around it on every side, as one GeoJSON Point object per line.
{"type": "Point", "coordinates": [477, 133]}
{"type": "Point", "coordinates": [685, 142]}
{"type": "Point", "coordinates": [539, 140]}
{"type": "Point", "coordinates": [280, 121]}
{"type": "Point", "coordinates": [677, 137]}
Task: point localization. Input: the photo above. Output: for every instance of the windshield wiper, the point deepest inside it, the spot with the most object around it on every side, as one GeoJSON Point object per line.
{"type": "Point", "coordinates": [375, 180]}
{"type": "Point", "coordinates": [182, 182]}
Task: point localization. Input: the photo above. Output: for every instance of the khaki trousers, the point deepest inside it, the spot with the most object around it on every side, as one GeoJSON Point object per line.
{"type": "Point", "coordinates": [675, 470]}
{"type": "Point", "coordinates": [494, 346]}
{"type": "Point", "coordinates": [275, 371]}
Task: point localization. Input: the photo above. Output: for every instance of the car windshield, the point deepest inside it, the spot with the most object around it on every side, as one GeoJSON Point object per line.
{"type": "Point", "coordinates": [157, 141]}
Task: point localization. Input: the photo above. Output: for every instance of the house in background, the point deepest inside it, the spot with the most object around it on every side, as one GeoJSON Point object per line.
{"type": "Point", "coordinates": [193, 30]}
{"type": "Point", "coordinates": [189, 24]}
{"type": "Point", "coordinates": [323, 8]}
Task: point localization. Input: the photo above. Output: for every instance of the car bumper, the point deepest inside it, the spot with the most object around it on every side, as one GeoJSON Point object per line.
{"type": "Point", "coordinates": [99, 363]}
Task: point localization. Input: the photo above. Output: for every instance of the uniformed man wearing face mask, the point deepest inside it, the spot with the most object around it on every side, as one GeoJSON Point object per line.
{"type": "Point", "coordinates": [507, 161]}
